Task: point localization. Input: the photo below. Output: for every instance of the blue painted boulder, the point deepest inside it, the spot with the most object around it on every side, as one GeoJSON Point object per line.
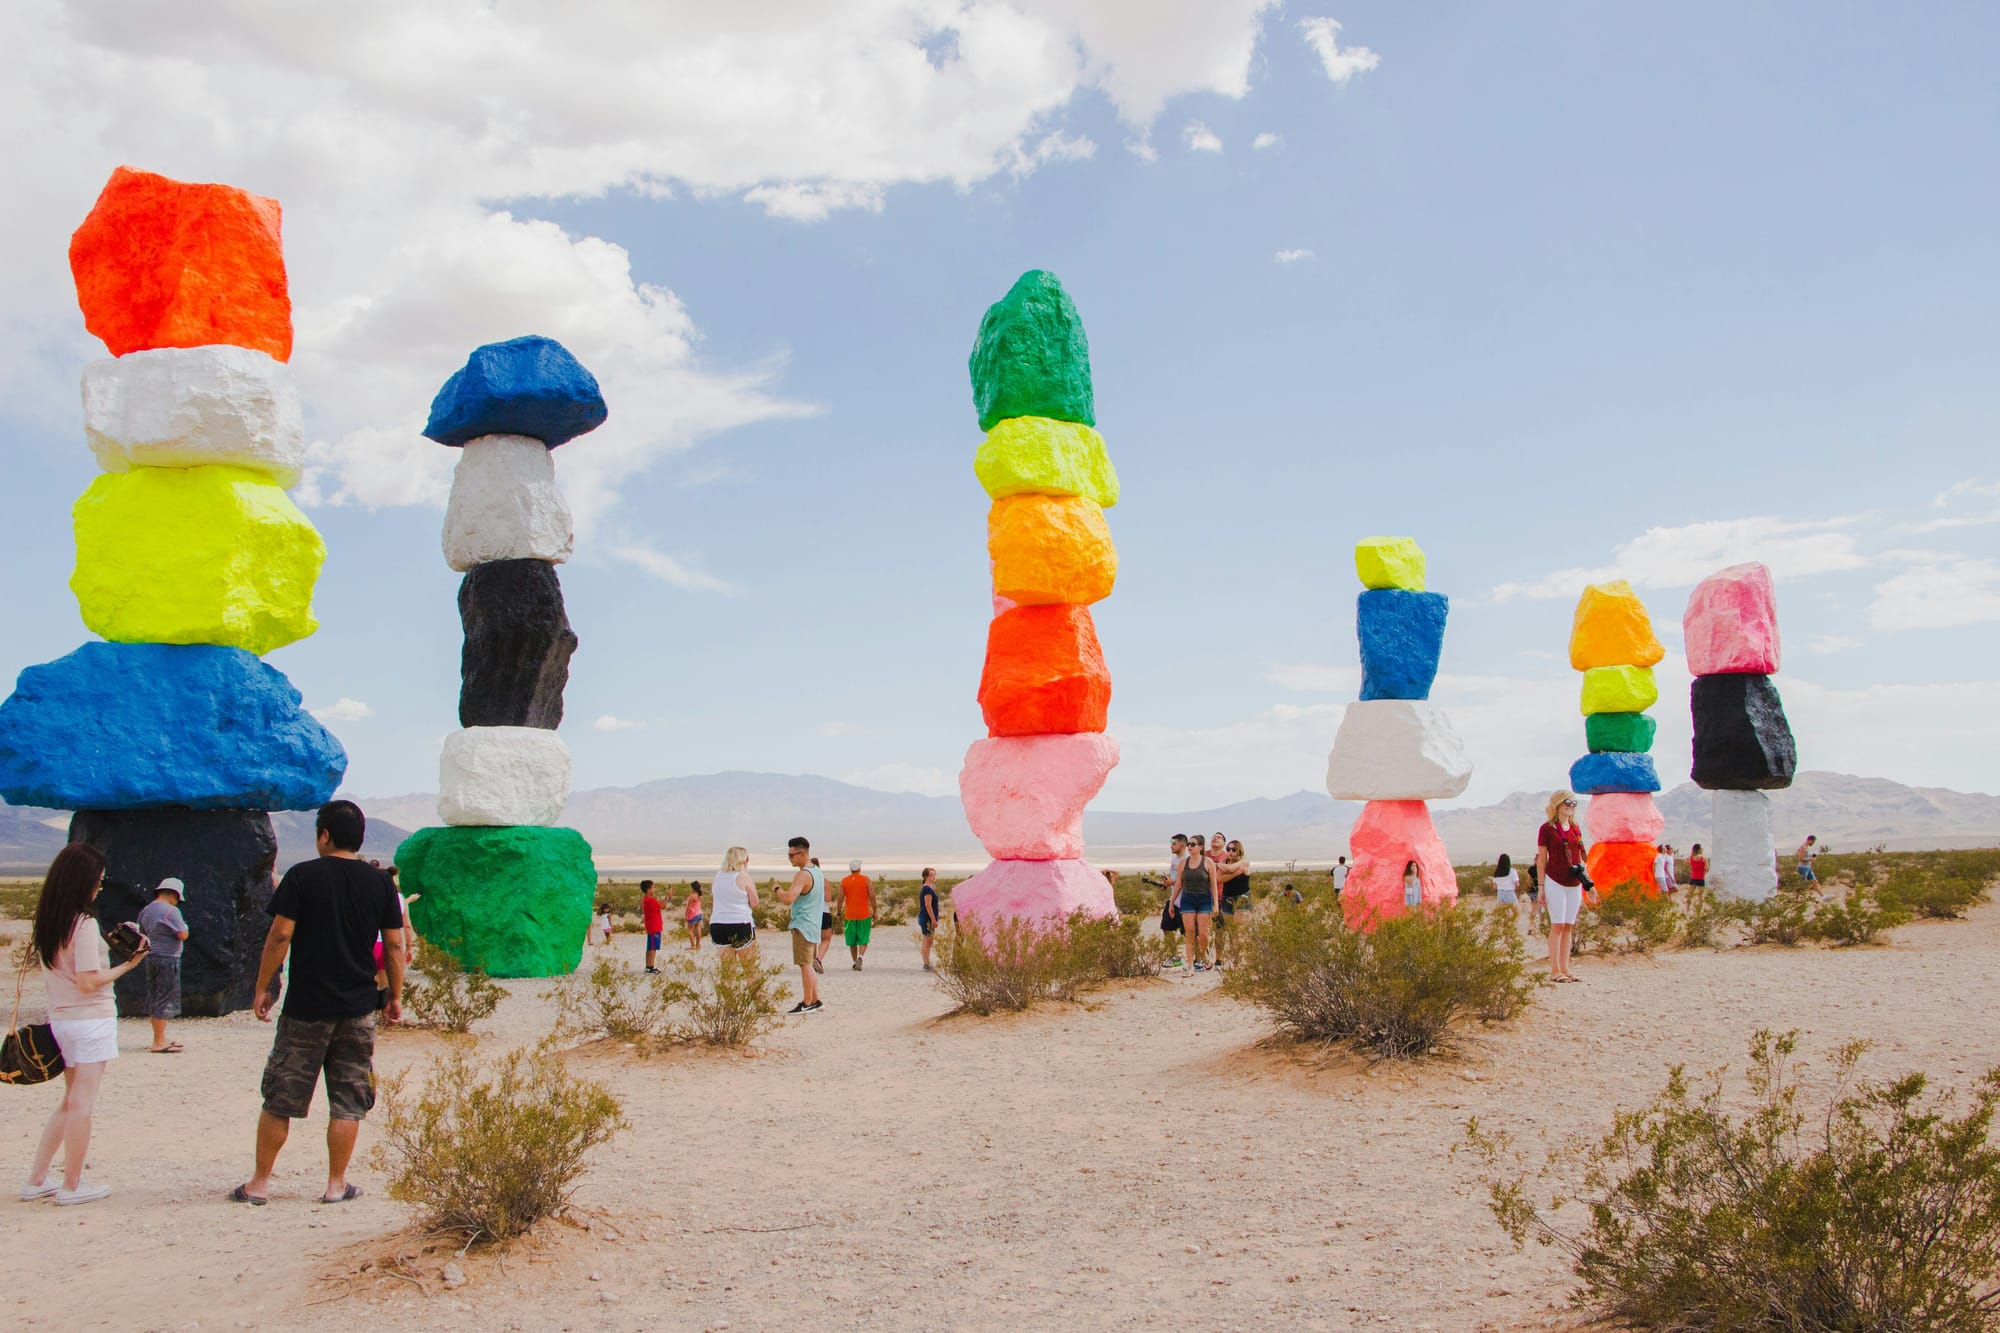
{"type": "Point", "coordinates": [137, 726]}
{"type": "Point", "coordinates": [1401, 635]}
{"type": "Point", "coordinates": [1613, 771]}
{"type": "Point", "coordinates": [528, 386]}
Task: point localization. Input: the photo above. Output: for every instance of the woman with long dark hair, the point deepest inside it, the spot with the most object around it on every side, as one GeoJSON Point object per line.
{"type": "Point", "coordinates": [77, 971]}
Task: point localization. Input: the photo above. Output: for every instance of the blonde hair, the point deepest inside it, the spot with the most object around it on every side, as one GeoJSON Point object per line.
{"type": "Point", "coordinates": [1556, 802]}
{"type": "Point", "coordinates": [734, 859]}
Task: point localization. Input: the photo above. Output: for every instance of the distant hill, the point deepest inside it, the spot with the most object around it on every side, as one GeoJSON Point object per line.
{"type": "Point", "coordinates": [31, 837]}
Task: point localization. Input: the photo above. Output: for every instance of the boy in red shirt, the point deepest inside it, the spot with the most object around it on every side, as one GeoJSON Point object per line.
{"type": "Point", "coordinates": [655, 920]}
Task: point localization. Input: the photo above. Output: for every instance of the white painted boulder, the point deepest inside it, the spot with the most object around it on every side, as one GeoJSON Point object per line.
{"type": "Point", "coordinates": [185, 407]}
{"type": "Point", "coordinates": [1396, 750]}
{"type": "Point", "coordinates": [501, 777]}
{"type": "Point", "coordinates": [1024, 795]}
{"type": "Point", "coordinates": [505, 505]}
{"type": "Point", "coordinates": [1743, 863]}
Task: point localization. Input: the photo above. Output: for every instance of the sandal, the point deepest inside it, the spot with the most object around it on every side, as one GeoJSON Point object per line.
{"type": "Point", "coordinates": [171, 1048]}
{"type": "Point", "coordinates": [241, 1195]}
{"type": "Point", "coordinates": [351, 1192]}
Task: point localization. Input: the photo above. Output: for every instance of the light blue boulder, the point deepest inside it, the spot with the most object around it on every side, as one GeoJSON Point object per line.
{"type": "Point", "coordinates": [135, 726]}
{"type": "Point", "coordinates": [526, 386]}
{"type": "Point", "coordinates": [1402, 634]}
{"type": "Point", "coordinates": [1596, 774]}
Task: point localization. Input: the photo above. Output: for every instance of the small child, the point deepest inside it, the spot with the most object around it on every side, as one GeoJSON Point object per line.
{"type": "Point", "coordinates": [604, 922]}
{"type": "Point", "coordinates": [694, 916]}
{"type": "Point", "coordinates": [1413, 886]}
{"type": "Point", "coordinates": [166, 931]}
{"type": "Point", "coordinates": [1293, 896]}
{"type": "Point", "coordinates": [654, 915]}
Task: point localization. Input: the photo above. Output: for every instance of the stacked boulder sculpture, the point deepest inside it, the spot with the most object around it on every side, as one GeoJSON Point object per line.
{"type": "Point", "coordinates": [171, 740]}
{"type": "Point", "coordinates": [1743, 744]}
{"type": "Point", "coordinates": [1612, 643]}
{"type": "Point", "coordinates": [1045, 690]}
{"type": "Point", "coordinates": [500, 885]}
{"type": "Point", "coordinates": [1395, 749]}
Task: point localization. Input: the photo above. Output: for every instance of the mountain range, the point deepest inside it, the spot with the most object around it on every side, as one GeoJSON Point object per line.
{"type": "Point", "coordinates": [685, 823]}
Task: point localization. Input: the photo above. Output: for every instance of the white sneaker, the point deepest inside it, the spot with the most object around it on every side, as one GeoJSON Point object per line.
{"type": "Point", "coordinates": [29, 1193]}
{"type": "Point", "coordinates": [85, 1192]}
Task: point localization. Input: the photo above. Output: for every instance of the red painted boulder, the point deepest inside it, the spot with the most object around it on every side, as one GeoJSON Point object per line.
{"type": "Point", "coordinates": [1625, 817]}
{"type": "Point", "coordinates": [165, 263]}
{"type": "Point", "coordinates": [1387, 837]}
{"type": "Point", "coordinates": [1623, 867]}
{"type": "Point", "coordinates": [1731, 624]}
{"type": "Point", "coordinates": [1045, 673]}
{"type": "Point", "coordinates": [1024, 795]}
{"type": "Point", "coordinates": [1032, 890]}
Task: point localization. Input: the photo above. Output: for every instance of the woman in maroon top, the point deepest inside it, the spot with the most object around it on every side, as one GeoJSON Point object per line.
{"type": "Point", "coordinates": [1559, 865]}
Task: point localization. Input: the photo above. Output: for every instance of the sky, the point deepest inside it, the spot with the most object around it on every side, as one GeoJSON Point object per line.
{"type": "Point", "coordinates": [1567, 292]}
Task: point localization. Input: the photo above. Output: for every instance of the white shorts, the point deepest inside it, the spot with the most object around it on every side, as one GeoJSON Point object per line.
{"type": "Point", "coordinates": [86, 1041]}
{"type": "Point", "coordinates": [1564, 902]}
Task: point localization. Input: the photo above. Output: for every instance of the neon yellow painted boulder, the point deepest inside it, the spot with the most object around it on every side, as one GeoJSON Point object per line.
{"type": "Point", "coordinates": [194, 555]}
{"type": "Point", "coordinates": [1619, 689]}
{"type": "Point", "coordinates": [1390, 562]}
{"type": "Point", "coordinates": [1040, 456]}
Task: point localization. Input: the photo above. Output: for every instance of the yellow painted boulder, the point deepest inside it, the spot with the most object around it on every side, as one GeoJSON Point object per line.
{"type": "Point", "coordinates": [1040, 456]}
{"type": "Point", "coordinates": [194, 555]}
{"type": "Point", "coordinates": [1612, 629]}
{"type": "Point", "coordinates": [1390, 562]}
{"type": "Point", "coordinates": [1619, 689]}
{"type": "Point", "coordinates": [1050, 548]}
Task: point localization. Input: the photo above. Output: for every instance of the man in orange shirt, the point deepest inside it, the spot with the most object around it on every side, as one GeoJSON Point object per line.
{"type": "Point", "coordinates": [857, 910]}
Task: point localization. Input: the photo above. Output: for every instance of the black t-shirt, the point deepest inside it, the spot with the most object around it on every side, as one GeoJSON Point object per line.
{"type": "Point", "coordinates": [339, 907]}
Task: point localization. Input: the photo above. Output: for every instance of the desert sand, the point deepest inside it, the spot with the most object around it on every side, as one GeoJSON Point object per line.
{"type": "Point", "coordinates": [1141, 1161]}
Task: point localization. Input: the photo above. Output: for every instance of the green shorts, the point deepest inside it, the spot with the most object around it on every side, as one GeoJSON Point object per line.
{"type": "Point", "coordinates": [859, 931]}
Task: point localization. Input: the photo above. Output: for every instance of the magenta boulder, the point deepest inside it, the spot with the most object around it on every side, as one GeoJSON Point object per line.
{"type": "Point", "coordinates": [1024, 795]}
{"type": "Point", "coordinates": [1731, 623]}
{"type": "Point", "coordinates": [1625, 817]}
{"type": "Point", "coordinates": [1033, 890]}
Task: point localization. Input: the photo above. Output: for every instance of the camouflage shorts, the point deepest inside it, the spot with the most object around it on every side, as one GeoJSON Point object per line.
{"type": "Point", "coordinates": [344, 1048]}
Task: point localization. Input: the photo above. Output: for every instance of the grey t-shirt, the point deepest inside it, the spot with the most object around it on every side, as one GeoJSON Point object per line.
{"type": "Point", "coordinates": [163, 925]}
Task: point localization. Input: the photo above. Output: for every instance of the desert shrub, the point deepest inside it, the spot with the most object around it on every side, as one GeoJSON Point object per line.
{"type": "Point", "coordinates": [1007, 966]}
{"type": "Point", "coordinates": [1401, 990]}
{"type": "Point", "coordinates": [1859, 917]}
{"type": "Point", "coordinates": [1879, 1209]}
{"type": "Point", "coordinates": [729, 1004]}
{"type": "Point", "coordinates": [1627, 921]}
{"type": "Point", "coordinates": [1103, 949]}
{"type": "Point", "coordinates": [616, 1000]}
{"type": "Point", "coordinates": [1783, 918]}
{"type": "Point", "coordinates": [440, 992]}
{"type": "Point", "coordinates": [492, 1151]}
{"type": "Point", "coordinates": [1933, 894]}
{"type": "Point", "coordinates": [1701, 924]}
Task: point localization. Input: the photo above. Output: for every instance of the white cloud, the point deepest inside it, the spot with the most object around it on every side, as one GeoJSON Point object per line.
{"type": "Point", "coordinates": [905, 777]}
{"type": "Point", "coordinates": [1200, 138]}
{"type": "Point", "coordinates": [343, 709]}
{"type": "Point", "coordinates": [669, 569]}
{"type": "Point", "coordinates": [1292, 256]}
{"type": "Point", "coordinates": [1939, 735]}
{"type": "Point", "coordinates": [1970, 486]}
{"type": "Point", "coordinates": [804, 202]}
{"type": "Point", "coordinates": [1341, 63]}
{"type": "Point", "coordinates": [1681, 557]}
{"type": "Point", "coordinates": [607, 722]}
{"type": "Point", "coordinates": [1274, 753]}
{"type": "Point", "coordinates": [1264, 140]}
{"type": "Point", "coordinates": [836, 729]}
{"type": "Point", "coordinates": [1937, 592]}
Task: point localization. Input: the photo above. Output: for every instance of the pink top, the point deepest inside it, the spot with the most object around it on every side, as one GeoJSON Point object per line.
{"type": "Point", "coordinates": [84, 951]}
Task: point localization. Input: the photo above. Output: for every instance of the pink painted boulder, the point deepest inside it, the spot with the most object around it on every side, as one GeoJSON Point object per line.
{"type": "Point", "coordinates": [1625, 817]}
{"type": "Point", "coordinates": [1731, 624]}
{"type": "Point", "coordinates": [1388, 836]}
{"type": "Point", "coordinates": [1024, 795]}
{"type": "Point", "coordinates": [1035, 890]}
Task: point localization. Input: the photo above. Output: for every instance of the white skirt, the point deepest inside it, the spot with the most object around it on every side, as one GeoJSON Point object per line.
{"type": "Point", "coordinates": [86, 1041]}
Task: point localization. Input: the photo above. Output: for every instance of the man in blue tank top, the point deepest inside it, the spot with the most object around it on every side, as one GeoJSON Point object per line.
{"type": "Point", "coordinates": [807, 898]}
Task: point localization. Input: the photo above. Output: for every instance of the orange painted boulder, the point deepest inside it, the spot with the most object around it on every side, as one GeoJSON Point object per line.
{"type": "Point", "coordinates": [1612, 629]}
{"type": "Point", "coordinates": [1044, 673]}
{"type": "Point", "coordinates": [165, 263]}
{"type": "Point", "coordinates": [1050, 548]}
{"type": "Point", "coordinates": [1623, 867]}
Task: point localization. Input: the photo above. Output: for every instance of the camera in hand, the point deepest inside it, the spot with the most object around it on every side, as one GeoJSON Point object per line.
{"type": "Point", "coordinates": [124, 940]}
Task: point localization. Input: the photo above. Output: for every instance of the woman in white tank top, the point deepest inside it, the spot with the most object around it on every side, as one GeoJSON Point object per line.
{"type": "Point", "coordinates": [732, 924]}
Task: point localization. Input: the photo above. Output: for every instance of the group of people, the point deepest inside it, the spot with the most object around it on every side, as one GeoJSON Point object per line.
{"type": "Point", "coordinates": [1207, 884]}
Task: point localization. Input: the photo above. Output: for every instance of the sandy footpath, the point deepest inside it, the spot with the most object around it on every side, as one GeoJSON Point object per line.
{"type": "Point", "coordinates": [1138, 1162]}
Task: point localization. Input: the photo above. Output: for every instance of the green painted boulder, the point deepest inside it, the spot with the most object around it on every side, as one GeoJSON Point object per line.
{"type": "Point", "coordinates": [1032, 358]}
{"type": "Point", "coordinates": [1626, 733]}
{"type": "Point", "coordinates": [514, 901]}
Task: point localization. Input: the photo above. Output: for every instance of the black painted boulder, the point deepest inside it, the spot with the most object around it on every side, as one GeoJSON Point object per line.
{"type": "Point", "coordinates": [1742, 741]}
{"type": "Point", "coordinates": [517, 646]}
{"type": "Point", "coordinates": [225, 859]}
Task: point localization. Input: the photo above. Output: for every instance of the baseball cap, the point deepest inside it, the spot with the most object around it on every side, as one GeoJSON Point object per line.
{"type": "Point", "coordinates": [172, 885]}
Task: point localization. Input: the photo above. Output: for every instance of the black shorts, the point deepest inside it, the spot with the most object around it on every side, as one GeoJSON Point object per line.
{"type": "Point", "coordinates": [928, 927]}
{"type": "Point", "coordinates": [1698, 883]}
{"type": "Point", "coordinates": [733, 934]}
{"type": "Point", "coordinates": [825, 922]}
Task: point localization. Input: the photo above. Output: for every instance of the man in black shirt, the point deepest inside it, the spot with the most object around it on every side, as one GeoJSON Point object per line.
{"type": "Point", "coordinates": [326, 914]}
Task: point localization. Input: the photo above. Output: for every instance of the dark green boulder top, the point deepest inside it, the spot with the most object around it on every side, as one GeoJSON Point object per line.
{"type": "Point", "coordinates": [1032, 358]}
{"type": "Point", "coordinates": [1630, 733]}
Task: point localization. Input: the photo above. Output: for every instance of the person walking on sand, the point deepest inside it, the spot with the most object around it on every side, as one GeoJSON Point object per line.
{"type": "Point", "coordinates": [1506, 886]}
{"type": "Point", "coordinates": [166, 935]}
{"type": "Point", "coordinates": [733, 924]}
{"type": "Point", "coordinates": [806, 896]}
{"type": "Point", "coordinates": [1697, 877]}
{"type": "Point", "coordinates": [1339, 872]}
{"type": "Point", "coordinates": [1807, 851]}
{"type": "Point", "coordinates": [857, 913]}
{"type": "Point", "coordinates": [603, 923]}
{"type": "Point", "coordinates": [693, 915]}
{"type": "Point", "coordinates": [1559, 866]}
{"type": "Point", "coordinates": [325, 916]}
{"type": "Point", "coordinates": [825, 928]}
{"type": "Point", "coordinates": [77, 975]}
{"type": "Point", "coordinates": [653, 916]}
{"type": "Point", "coordinates": [927, 914]}
{"type": "Point", "coordinates": [1663, 871]}
{"type": "Point", "coordinates": [1197, 902]}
